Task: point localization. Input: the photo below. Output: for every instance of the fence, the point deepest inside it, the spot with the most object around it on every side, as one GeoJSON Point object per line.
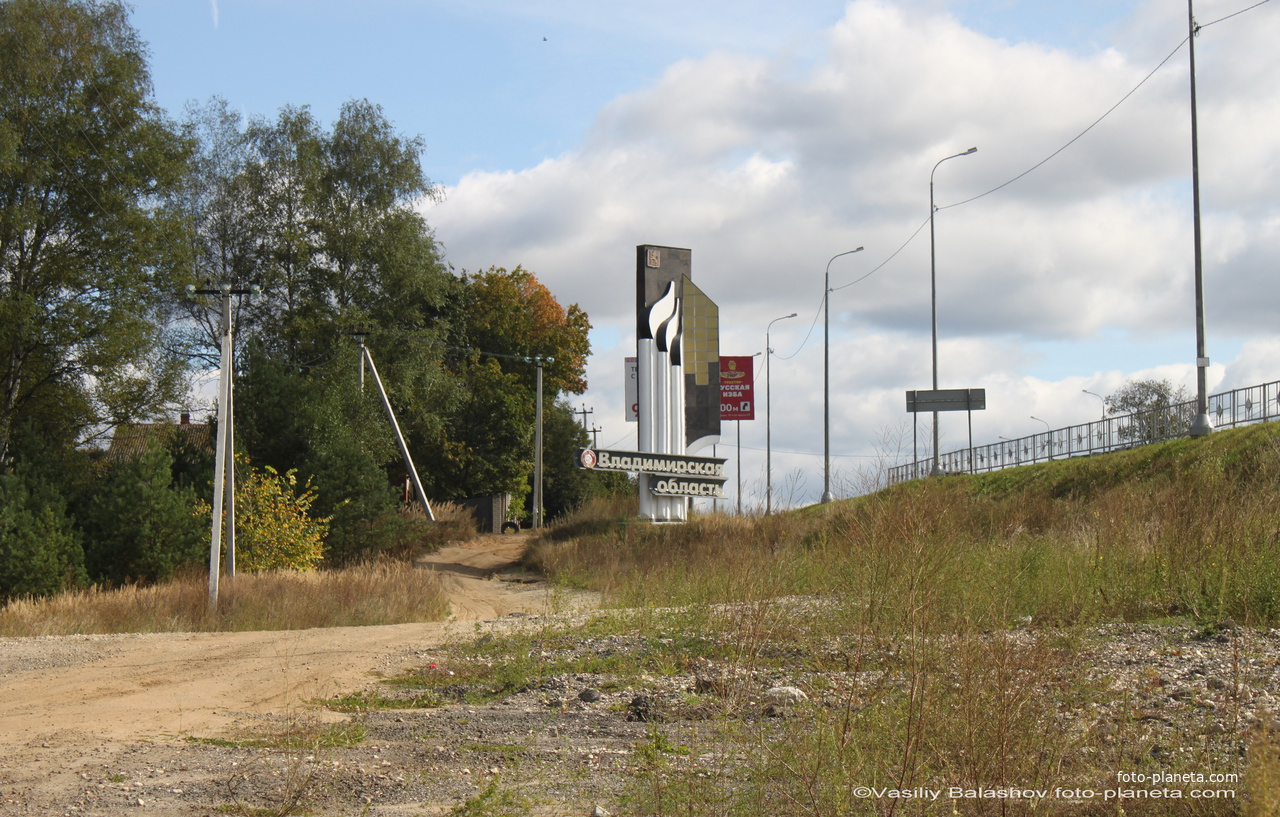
{"type": "Point", "coordinates": [1253, 404]}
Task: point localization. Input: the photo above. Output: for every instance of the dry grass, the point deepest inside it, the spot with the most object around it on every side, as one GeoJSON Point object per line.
{"type": "Point", "coordinates": [384, 592]}
{"type": "Point", "coordinates": [1184, 528]}
{"type": "Point", "coordinates": [934, 581]}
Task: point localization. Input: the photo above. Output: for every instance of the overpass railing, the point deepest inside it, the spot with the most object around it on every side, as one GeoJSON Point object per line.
{"type": "Point", "coordinates": [1252, 404]}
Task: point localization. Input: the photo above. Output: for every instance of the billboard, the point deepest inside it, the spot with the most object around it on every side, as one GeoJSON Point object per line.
{"type": "Point", "coordinates": [631, 390]}
{"type": "Point", "coordinates": [737, 388]}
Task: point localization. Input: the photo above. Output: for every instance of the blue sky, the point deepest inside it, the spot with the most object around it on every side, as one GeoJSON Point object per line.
{"type": "Point", "coordinates": [769, 137]}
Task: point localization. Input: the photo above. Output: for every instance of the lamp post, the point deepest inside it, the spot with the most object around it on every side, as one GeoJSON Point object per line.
{"type": "Point", "coordinates": [768, 433]}
{"type": "Point", "coordinates": [1201, 426]}
{"type": "Point", "coordinates": [1048, 435]}
{"type": "Point", "coordinates": [739, 422]}
{"type": "Point", "coordinates": [1101, 398]}
{"type": "Point", "coordinates": [933, 296]}
{"type": "Point", "coordinates": [827, 496]}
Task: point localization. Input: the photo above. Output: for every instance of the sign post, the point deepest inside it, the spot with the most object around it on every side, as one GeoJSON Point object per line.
{"type": "Point", "coordinates": [934, 400]}
{"type": "Point", "coordinates": [737, 388]}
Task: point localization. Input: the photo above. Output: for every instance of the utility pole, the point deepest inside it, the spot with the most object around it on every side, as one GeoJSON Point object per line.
{"type": "Point", "coordinates": [538, 360]}
{"type": "Point", "coordinates": [537, 452]}
{"type": "Point", "coordinates": [584, 412]}
{"type": "Point", "coordinates": [595, 430]}
{"type": "Point", "coordinates": [224, 479]}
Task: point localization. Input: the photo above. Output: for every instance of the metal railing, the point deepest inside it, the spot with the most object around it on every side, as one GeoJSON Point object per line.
{"type": "Point", "coordinates": [1252, 404]}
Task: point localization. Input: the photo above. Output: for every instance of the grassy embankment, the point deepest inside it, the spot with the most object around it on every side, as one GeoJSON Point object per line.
{"type": "Point", "coordinates": [948, 646]}
{"type": "Point", "coordinates": [1186, 528]}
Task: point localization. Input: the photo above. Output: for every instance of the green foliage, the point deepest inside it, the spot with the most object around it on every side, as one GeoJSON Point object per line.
{"type": "Point", "coordinates": [565, 486]}
{"type": "Point", "coordinates": [486, 444]}
{"type": "Point", "coordinates": [139, 526]}
{"type": "Point", "coordinates": [274, 525]}
{"type": "Point", "coordinates": [494, 801]}
{"type": "Point", "coordinates": [325, 428]}
{"type": "Point", "coordinates": [85, 156]}
{"type": "Point", "coordinates": [40, 552]}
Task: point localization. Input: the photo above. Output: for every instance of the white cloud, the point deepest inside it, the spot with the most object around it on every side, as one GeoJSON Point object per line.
{"type": "Point", "coordinates": [766, 166]}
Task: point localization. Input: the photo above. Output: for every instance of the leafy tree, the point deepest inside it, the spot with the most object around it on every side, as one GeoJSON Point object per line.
{"type": "Point", "coordinates": [216, 206]}
{"type": "Point", "coordinates": [512, 313]}
{"type": "Point", "coordinates": [139, 526]}
{"type": "Point", "coordinates": [565, 486]}
{"type": "Point", "coordinates": [85, 157]}
{"type": "Point", "coordinates": [40, 551]}
{"type": "Point", "coordinates": [507, 318]}
{"type": "Point", "coordinates": [1159, 409]}
{"type": "Point", "coordinates": [485, 445]}
{"type": "Point", "coordinates": [326, 222]}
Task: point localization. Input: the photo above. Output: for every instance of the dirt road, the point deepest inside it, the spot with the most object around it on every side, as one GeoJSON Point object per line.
{"type": "Point", "coordinates": [64, 700]}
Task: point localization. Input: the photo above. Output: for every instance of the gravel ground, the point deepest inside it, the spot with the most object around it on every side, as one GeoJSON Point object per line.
{"type": "Point", "coordinates": [568, 745]}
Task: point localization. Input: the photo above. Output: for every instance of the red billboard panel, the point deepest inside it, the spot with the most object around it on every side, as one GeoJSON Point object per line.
{"type": "Point", "coordinates": [737, 388]}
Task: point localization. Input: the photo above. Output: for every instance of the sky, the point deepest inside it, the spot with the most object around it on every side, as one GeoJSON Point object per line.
{"type": "Point", "coordinates": [768, 138]}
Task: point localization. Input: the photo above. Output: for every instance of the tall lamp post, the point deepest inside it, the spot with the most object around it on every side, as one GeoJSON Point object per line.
{"type": "Point", "coordinates": [933, 293]}
{"type": "Point", "coordinates": [739, 422]}
{"type": "Point", "coordinates": [768, 434]}
{"type": "Point", "coordinates": [827, 496]}
{"type": "Point", "coordinates": [1201, 426]}
{"type": "Point", "coordinates": [1100, 397]}
{"type": "Point", "coordinates": [1048, 435]}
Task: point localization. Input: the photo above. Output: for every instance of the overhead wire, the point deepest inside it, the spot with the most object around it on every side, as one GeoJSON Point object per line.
{"type": "Point", "coordinates": [1078, 136]}
{"type": "Point", "coordinates": [1233, 14]}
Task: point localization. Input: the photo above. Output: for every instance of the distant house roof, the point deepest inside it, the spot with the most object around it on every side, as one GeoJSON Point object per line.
{"type": "Point", "coordinates": [132, 439]}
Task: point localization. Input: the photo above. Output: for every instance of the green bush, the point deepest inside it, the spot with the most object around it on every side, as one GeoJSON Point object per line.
{"type": "Point", "coordinates": [138, 526]}
{"type": "Point", "coordinates": [40, 552]}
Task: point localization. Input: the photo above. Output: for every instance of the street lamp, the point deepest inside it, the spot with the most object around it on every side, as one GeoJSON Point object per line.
{"type": "Point", "coordinates": [1048, 446]}
{"type": "Point", "coordinates": [826, 380]}
{"type": "Point", "coordinates": [739, 422]}
{"type": "Point", "coordinates": [1201, 426]}
{"type": "Point", "coordinates": [1100, 397]}
{"type": "Point", "coordinates": [933, 291]}
{"type": "Point", "coordinates": [768, 435]}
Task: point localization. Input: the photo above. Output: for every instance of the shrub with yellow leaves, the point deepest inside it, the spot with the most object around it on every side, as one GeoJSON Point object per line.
{"type": "Point", "coordinates": [274, 526]}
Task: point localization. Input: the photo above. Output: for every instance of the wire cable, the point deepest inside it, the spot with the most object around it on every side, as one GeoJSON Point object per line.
{"type": "Point", "coordinates": [1233, 14]}
{"type": "Point", "coordinates": [1078, 136]}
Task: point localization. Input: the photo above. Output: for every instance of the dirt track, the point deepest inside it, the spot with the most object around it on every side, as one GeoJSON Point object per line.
{"type": "Point", "coordinates": [94, 696]}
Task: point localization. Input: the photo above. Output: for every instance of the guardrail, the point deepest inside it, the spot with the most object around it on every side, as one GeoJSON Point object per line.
{"type": "Point", "coordinates": [1252, 404]}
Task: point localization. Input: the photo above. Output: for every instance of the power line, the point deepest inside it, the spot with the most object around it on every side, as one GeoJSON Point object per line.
{"type": "Point", "coordinates": [1078, 136]}
{"type": "Point", "coordinates": [1233, 14]}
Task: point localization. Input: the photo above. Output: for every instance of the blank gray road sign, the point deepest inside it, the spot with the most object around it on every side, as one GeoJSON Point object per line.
{"type": "Point", "coordinates": [947, 400]}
